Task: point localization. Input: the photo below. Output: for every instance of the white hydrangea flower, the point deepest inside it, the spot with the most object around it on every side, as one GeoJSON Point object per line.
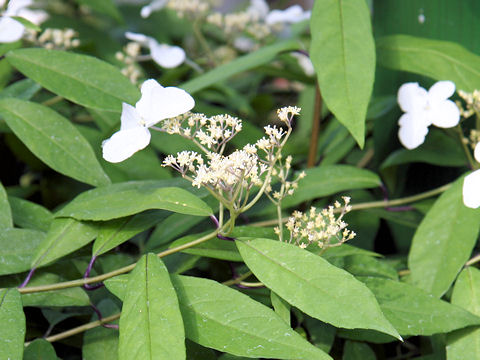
{"type": "Point", "coordinates": [471, 184]}
{"type": "Point", "coordinates": [166, 56]}
{"type": "Point", "coordinates": [290, 15]}
{"type": "Point", "coordinates": [12, 30]}
{"type": "Point", "coordinates": [155, 5]}
{"type": "Point", "coordinates": [424, 108]}
{"type": "Point", "coordinates": [157, 103]}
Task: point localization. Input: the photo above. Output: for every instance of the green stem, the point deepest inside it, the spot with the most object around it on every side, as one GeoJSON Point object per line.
{"type": "Point", "coordinates": [203, 42]}
{"type": "Point", "coordinates": [52, 100]}
{"type": "Point", "coordinates": [468, 154]}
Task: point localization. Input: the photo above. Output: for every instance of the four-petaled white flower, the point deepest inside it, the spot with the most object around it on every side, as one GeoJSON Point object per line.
{"type": "Point", "coordinates": [424, 108]}
{"type": "Point", "coordinates": [471, 184]}
{"type": "Point", "coordinates": [166, 56]}
{"type": "Point", "coordinates": [157, 103]}
{"type": "Point", "coordinates": [12, 30]}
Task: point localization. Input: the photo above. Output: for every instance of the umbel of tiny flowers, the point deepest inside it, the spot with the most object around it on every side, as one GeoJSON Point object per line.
{"type": "Point", "coordinates": [423, 108]}
{"type": "Point", "coordinates": [166, 56]}
{"type": "Point", "coordinates": [12, 30]}
{"type": "Point", "coordinates": [156, 103]}
{"type": "Point", "coordinates": [471, 184]}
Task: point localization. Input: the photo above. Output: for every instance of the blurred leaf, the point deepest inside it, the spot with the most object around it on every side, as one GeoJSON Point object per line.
{"type": "Point", "coordinates": [106, 7]}
{"type": "Point", "coordinates": [27, 23]}
{"type": "Point", "coordinates": [198, 352]}
{"type": "Point", "coordinates": [123, 199]}
{"type": "Point", "coordinates": [16, 249]}
{"type": "Point", "coordinates": [440, 60]}
{"type": "Point", "coordinates": [443, 242]}
{"type": "Point", "coordinates": [343, 53]}
{"type": "Point", "coordinates": [22, 89]}
{"type": "Point", "coordinates": [6, 220]}
{"type": "Point", "coordinates": [281, 307]}
{"type": "Point", "coordinates": [313, 285]}
{"type": "Point", "coordinates": [414, 312]}
{"type": "Point", "coordinates": [54, 140]}
{"type": "Point", "coordinates": [151, 325]}
{"type": "Point", "coordinates": [357, 351]}
{"type": "Point", "coordinates": [6, 47]}
{"type": "Point", "coordinates": [465, 343]}
{"type": "Point", "coordinates": [247, 62]}
{"type": "Point", "coordinates": [321, 334]}
{"type": "Point", "coordinates": [12, 324]}
{"type": "Point", "coordinates": [85, 80]}
{"type": "Point", "coordinates": [331, 179]}
{"type": "Point", "coordinates": [63, 237]}
{"type": "Point", "coordinates": [39, 349]}
{"type": "Point", "coordinates": [27, 214]}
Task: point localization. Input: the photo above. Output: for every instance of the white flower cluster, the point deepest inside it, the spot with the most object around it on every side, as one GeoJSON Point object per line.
{"type": "Point", "coordinates": [472, 102]}
{"type": "Point", "coordinates": [62, 39]}
{"type": "Point", "coordinates": [183, 8]}
{"type": "Point", "coordinates": [129, 57]}
{"type": "Point", "coordinates": [321, 228]}
{"type": "Point", "coordinates": [281, 171]}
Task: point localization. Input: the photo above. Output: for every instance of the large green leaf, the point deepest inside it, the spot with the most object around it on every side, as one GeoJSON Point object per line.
{"type": "Point", "coordinates": [343, 54]}
{"type": "Point", "coordinates": [414, 312]}
{"type": "Point", "coordinates": [64, 237]}
{"type": "Point", "coordinates": [440, 60]}
{"type": "Point", "coordinates": [443, 242]}
{"type": "Point", "coordinates": [151, 325]}
{"type": "Point", "coordinates": [82, 79]}
{"type": "Point", "coordinates": [12, 324]}
{"type": "Point", "coordinates": [331, 179]}
{"type": "Point", "coordinates": [314, 285]}
{"type": "Point", "coordinates": [54, 140]}
{"type": "Point", "coordinates": [6, 220]}
{"type": "Point", "coordinates": [39, 349]}
{"type": "Point", "coordinates": [16, 249]}
{"type": "Point", "coordinates": [357, 351]}
{"type": "Point", "coordinates": [124, 199]}
{"type": "Point", "coordinates": [465, 343]}
{"type": "Point", "coordinates": [22, 89]}
{"type": "Point", "coordinates": [29, 215]}
{"type": "Point", "coordinates": [221, 318]}
{"type": "Point", "coordinates": [263, 56]}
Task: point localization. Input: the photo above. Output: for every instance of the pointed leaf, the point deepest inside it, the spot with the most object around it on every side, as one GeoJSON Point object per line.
{"type": "Point", "coordinates": [16, 249]}
{"type": "Point", "coordinates": [343, 54]}
{"type": "Point", "coordinates": [29, 215]}
{"type": "Point", "coordinates": [40, 349]}
{"type": "Point", "coordinates": [64, 237]}
{"type": "Point", "coordinates": [5, 210]}
{"type": "Point", "coordinates": [54, 140]}
{"type": "Point", "coordinates": [151, 325]}
{"type": "Point", "coordinates": [123, 199]}
{"type": "Point", "coordinates": [443, 242]}
{"type": "Point", "coordinates": [357, 351]}
{"type": "Point", "coordinates": [414, 312]}
{"type": "Point", "coordinates": [314, 285]}
{"type": "Point", "coordinates": [440, 60]}
{"type": "Point", "coordinates": [12, 324]}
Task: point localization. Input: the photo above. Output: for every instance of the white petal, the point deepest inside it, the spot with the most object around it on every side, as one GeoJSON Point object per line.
{"type": "Point", "coordinates": [441, 90]}
{"type": "Point", "coordinates": [36, 17]}
{"type": "Point", "coordinates": [412, 97]}
{"type": "Point", "coordinates": [291, 15]}
{"type": "Point", "coordinates": [125, 143]}
{"type": "Point", "coordinates": [158, 103]}
{"type": "Point", "coordinates": [305, 63]}
{"type": "Point", "coordinates": [153, 6]}
{"type": "Point", "coordinates": [10, 30]}
{"type": "Point", "coordinates": [412, 131]}
{"type": "Point", "coordinates": [476, 152]}
{"type": "Point", "coordinates": [471, 190]}
{"type": "Point", "coordinates": [167, 56]}
{"type": "Point", "coordinates": [14, 6]}
{"type": "Point", "coordinates": [130, 118]}
{"type": "Point", "coordinates": [258, 8]}
{"type": "Point", "coordinates": [444, 114]}
{"type": "Point", "coordinates": [140, 38]}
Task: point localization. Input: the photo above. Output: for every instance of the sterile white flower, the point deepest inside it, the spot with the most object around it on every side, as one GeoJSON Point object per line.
{"type": "Point", "coordinates": [290, 15]}
{"type": "Point", "coordinates": [305, 63]}
{"type": "Point", "coordinates": [424, 108]}
{"type": "Point", "coordinates": [471, 184]}
{"type": "Point", "coordinates": [258, 9]}
{"type": "Point", "coordinates": [156, 103]}
{"type": "Point", "coordinates": [10, 29]}
{"type": "Point", "coordinates": [153, 6]}
{"type": "Point", "coordinates": [166, 56]}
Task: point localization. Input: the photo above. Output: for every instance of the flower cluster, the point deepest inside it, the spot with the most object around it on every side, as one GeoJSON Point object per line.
{"type": "Point", "coordinates": [129, 57]}
{"type": "Point", "coordinates": [58, 39]}
{"type": "Point", "coordinates": [183, 8]}
{"type": "Point", "coordinates": [322, 227]}
{"type": "Point", "coordinates": [472, 102]}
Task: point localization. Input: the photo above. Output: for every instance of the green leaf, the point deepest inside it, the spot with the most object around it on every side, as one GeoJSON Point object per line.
{"type": "Point", "coordinates": [22, 89]}
{"type": "Point", "coordinates": [247, 62]}
{"type": "Point", "coordinates": [27, 23]}
{"type": "Point", "coordinates": [465, 343]}
{"type": "Point", "coordinates": [12, 324]}
{"type": "Point", "coordinates": [6, 220]}
{"type": "Point", "coordinates": [281, 307]}
{"type": "Point", "coordinates": [54, 140]}
{"type": "Point", "coordinates": [343, 54]}
{"type": "Point", "coordinates": [331, 179]}
{"type": "Point", "coordinates": [443, 242]}
{"type": "Point", "coordinates": [29, 215]}
{"type": "Point", "coordinates": [221, 318]}
{"type": "Point", "coordinates": [363, 265]}
{"type": "Point", "coordinates": [82, 79]}
{"type": "Point", "coordinates": [440, 60]}
{"type": "Point", "coordinates": [64, 237]}
{"type": "Point", "coordinates": [106, 7]}
{"type": "Point", "coordinates": [115, 232]}
{"type": "Point", "coordinates": [16, 249]}
{"type": "Point", "coordinates": [313, 285]}
{"type": "Point", "coordinates": [39, 349]}
{"type": "Point", "coordinates": [414, 312]}
{"type": "Point", "coordinates": [123, 199]}
{"type": "Point", "coordinates": [353, 350]}
{"type": "Point", "coordinates": [65, 297]}
{"type": "Point", "coordinates": [151, 325]}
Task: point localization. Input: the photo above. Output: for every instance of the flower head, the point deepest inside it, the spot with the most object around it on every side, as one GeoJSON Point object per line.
{"type": "Point", "coordinates": [471, 184]}
{"type": "Point", "coordinates": [156, 103]}
{"type": "Point", "coordinates": [424, 108]}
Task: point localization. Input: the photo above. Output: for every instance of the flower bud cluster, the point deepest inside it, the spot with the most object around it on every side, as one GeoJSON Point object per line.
{"type": "Point", "coordinates": [322, 227]}
{"type": "Point", "coordinates": [190, 8]}
{"type": "Point", "coordinates": [55, 38]}
{"type": "Point", "coordinates": [472, 102]}
{"type": "Point", "coordinates": [129, 57]}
